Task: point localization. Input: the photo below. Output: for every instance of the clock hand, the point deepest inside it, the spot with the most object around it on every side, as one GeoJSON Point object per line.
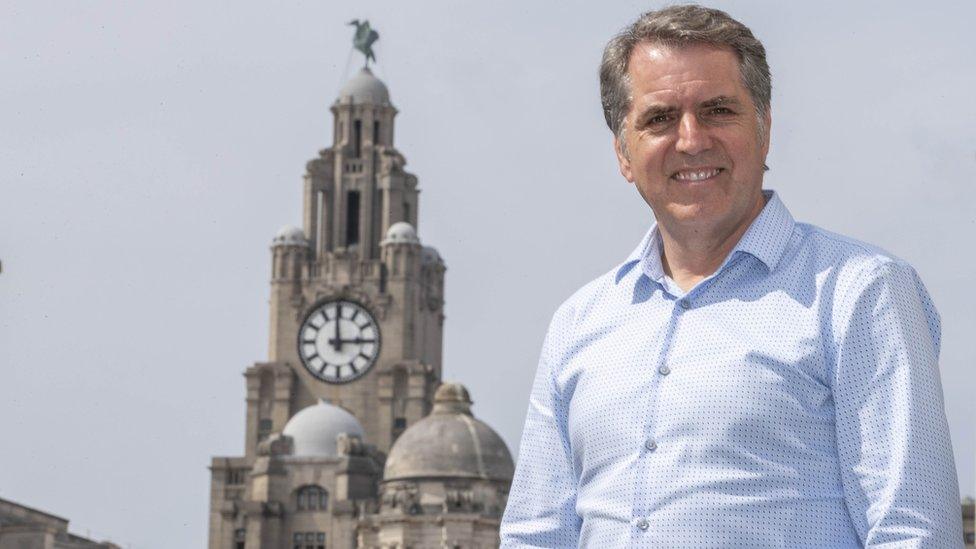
{"type": "Point", "coordinates": [355, 340]}
{"type": "Point", "coordinates": [337, 342]}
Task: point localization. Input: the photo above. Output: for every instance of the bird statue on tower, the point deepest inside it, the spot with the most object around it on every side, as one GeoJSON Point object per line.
{"type": "Point", "coordinates": [364, 38]}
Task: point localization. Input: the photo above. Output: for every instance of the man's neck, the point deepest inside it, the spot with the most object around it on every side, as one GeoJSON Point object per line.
{"type": "Point", "coordinates": [692, 255]}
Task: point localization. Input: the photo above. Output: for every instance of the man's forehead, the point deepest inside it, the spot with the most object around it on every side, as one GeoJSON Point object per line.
{"type": "Point", "coordinates": [661, 69]}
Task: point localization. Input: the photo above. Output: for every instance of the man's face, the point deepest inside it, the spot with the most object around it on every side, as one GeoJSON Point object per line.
{"type": "Point", "coordinates": [692, 143]}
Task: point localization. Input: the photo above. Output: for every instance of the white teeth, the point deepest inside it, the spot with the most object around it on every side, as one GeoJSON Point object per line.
{"type": "Point", "coordinates": [696, 176]}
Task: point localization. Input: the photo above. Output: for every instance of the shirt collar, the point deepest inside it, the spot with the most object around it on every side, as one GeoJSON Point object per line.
{"type": "Point", "coordinates": [765, 239]}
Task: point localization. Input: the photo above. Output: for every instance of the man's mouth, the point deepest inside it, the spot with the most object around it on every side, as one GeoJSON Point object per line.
{"type": "Point", "coordinates": [700, 174]}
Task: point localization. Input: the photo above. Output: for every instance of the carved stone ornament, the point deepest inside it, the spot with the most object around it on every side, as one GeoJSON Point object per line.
{"type": "Point", "coordinates": [378, 305]}
{"type": "Point", "coordinates": [391, 161]}
{"type": "Point", "coordinates": [350, 445]}
{"type": "Point", "coordinates": [321, 166]}
{"type": "Point", "coordinates": [458, 500]}
{"type": "Point", "coordinates": [402, 496]}
{"type": "Point", "coordinates": [275, 445]}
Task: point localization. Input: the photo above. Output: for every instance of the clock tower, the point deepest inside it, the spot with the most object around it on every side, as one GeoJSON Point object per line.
{"type": "Point", "coordinates": [356, 301]}
{"type": "Point", "coordinates": [352, 439]}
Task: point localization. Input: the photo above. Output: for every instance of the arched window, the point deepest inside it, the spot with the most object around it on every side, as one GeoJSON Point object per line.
{"type": "Point", "coordinates": [312, 498]}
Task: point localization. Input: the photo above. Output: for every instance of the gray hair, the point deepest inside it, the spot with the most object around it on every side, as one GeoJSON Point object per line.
{"type": "Point", "coordinates": [679, 26]}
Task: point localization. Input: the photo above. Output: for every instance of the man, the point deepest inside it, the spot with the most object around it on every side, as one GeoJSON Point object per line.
{"type": "Point", "coordinates": [741, 380]}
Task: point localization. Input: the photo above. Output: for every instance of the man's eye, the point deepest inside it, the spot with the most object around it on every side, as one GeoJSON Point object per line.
{"type": "Point", "coordinates": [721, 111]}
{"type": "Point", "coordinates": [658, 119]}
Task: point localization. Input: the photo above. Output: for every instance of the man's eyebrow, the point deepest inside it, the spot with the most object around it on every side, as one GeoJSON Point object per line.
{"type": "Point", "coordinates": [654, 110]}
{"type": "Point", "coordinates": [719, 101]}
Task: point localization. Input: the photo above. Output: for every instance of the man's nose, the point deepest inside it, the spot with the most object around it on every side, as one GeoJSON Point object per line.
{"type": "Point", "coordinates": [692, 137]}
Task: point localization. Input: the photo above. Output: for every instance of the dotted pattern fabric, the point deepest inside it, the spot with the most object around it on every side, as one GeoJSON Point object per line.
{"type": "Point", "coordinates": [792, 399]}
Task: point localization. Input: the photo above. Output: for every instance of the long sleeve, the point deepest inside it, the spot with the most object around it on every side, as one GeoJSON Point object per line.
{"type": "Point", "coordinates": [893, 438]}
{"type": "Point", "coordinates": [541, 504]}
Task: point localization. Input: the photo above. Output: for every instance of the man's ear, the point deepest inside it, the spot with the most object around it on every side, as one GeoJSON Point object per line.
{"type": "Point", "coordinates": [622, 160]}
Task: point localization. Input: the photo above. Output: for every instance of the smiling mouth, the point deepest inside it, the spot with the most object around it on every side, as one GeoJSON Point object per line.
{"type": "Point", "coordinates": [701, 174]}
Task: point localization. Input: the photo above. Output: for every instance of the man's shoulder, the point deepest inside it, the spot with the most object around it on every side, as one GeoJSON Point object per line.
{"type": "Point", "coordinates": [854, 272]}
{"type": "Point", "coordinates": [828, 249]}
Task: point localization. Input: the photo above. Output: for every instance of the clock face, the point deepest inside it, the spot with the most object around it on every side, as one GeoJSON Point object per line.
{"type": "Point", "coordinates": [338, 341]}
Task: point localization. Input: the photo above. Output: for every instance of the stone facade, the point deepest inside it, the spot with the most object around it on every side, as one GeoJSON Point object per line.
{"type": "Point", "coordinates": [315, 471]}
{"type": "Point", "coordinates": [22, 527]}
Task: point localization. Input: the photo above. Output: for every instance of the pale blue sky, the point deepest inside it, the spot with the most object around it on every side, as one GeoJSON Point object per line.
{"type": "Point", "coordinates": [149, 152]}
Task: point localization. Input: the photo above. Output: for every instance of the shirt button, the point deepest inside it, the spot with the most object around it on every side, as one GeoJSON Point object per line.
{"type": "Point", "coordinates": [650, 444]}
{"type": "Point", "coordinates": [643, 524]}
{"type": "Point", "coordinates": [664, 370]}
{"type": "Point", "coordinates": [684, 304]}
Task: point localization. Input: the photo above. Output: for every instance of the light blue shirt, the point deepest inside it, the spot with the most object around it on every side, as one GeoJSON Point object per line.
{"type": "Point", "coordinates": [792, 399]}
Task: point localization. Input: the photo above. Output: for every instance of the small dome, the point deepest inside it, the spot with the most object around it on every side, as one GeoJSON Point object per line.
{"type": "Point", "coordinates": [365, 88]}
{"type": "Point", "coordinates": [429, 255]}
{"type": "Point", "coordinates": [450, 442]}
{"type": "Point", "coordinates": [289, 236]}
{"type": "Point", "coordinates": [401, 232]}
{"type": "Point", "coordinates": [314, 429]}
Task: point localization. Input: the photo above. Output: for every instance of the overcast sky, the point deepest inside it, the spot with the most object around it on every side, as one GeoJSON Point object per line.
{"type": "Point", "coordinates": [149, 152]}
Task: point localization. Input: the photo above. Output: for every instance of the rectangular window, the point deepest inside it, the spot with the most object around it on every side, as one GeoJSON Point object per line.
{"type": "Point", "coordinates": [236, 476]}
{"type": "Point", "coordinates": [352, 218]}
{"type": "Point", "coordinates": [357, 138]}
{"type": "Point", "coordinates": [308, 540]}
{"type": "Point", "coordinates": [376, 132]}
{"type": "Point", "coordinates": [264, 429]}
{"type": "Point", "coordinates": [399, 426]}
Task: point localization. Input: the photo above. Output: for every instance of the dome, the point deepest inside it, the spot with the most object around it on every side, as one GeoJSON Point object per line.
{"type": "Point", "coordinates": [365, 88]}
{"type": "Point", "coordinates": [450, 442]}
{"type": "Point", "coordinates": [429, 255]}
{"type": "Point", "coordinates": [401, 232]}
{"type": "Point", "coordinates": [314, 429]}
{"type": "Point", "coordinates": [289, 236]}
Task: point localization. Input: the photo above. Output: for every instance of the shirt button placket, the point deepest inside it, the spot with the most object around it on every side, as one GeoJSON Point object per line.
{"type": "Point", "coordinates": [650, 444]}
